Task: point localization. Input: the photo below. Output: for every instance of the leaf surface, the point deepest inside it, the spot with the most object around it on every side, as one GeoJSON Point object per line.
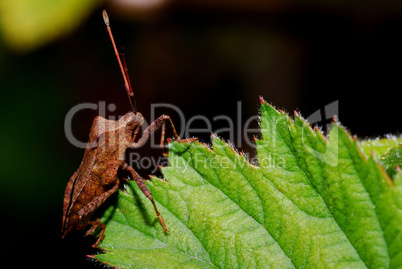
{"type": "Point", "coordinates": [312, 201]}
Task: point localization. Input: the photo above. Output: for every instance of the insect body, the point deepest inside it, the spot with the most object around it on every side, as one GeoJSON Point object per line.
{"type": "Point", "coordinates": [96, 178]}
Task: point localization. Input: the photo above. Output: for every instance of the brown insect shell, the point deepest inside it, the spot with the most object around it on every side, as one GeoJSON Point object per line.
{"type": "Point", "coordinates": [112, 137]}
{"type": "Point", "coordinates": [108, 141]}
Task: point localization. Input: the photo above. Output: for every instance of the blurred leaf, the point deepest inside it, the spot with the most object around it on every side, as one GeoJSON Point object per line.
{"type": "Point", "coordinates": [28, 24]}
{"type": "Point", "coordinates": [391, 160]}
{"type": "Point", "coordinates": [311, 202]}
{"type": "Point", "coordinates": [379, 146]}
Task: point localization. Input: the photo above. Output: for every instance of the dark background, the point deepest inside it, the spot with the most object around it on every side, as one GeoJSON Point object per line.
{"type": "Point", "coordinates": [201, 57]}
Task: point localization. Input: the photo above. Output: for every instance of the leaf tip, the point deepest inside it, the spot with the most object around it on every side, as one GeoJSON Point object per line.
{"type": "Point", "coordinates": [261, 100]}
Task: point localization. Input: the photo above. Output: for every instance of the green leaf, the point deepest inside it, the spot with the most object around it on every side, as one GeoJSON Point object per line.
{"type": "Point", "coordinates": [391, 160]}
{"type": "Point", "coordinates": [380, 146]}
{"type": "Point", "coordinates": [311, 201]}
{"type": "Point", "coordinates": [387, 150]}
{"type": "Point", "coordinates": [28, 24]}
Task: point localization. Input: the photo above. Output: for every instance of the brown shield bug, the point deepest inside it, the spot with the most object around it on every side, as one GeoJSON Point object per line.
{"type": "Point", "coordinates": [96, 178]}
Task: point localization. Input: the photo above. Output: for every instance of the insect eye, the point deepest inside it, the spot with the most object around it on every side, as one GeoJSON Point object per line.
{"type": "Point", "coordinates": [130, 121]}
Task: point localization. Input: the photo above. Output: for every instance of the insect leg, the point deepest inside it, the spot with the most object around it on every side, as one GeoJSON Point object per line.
{"type": "Point", "coordinates": [96, 223]}
{"type": "Point", "coordinates": [135, 133]}
{"type": "Point", "coordinates": [95, 203]}
{"type": "Point", "coordinates": [162, 143]}
{"type": "Point", "coordinates": [141, 184]}
{"type": "Point", "coordinates": [154, 127]}
{"type": "Point", "coordinates": [163, 135]}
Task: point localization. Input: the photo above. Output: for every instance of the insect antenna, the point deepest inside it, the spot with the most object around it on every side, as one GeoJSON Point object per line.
{"type": "Point", "coordinates": [123, 59]}
{"type": "Point", "coordinates": [122, 64]}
